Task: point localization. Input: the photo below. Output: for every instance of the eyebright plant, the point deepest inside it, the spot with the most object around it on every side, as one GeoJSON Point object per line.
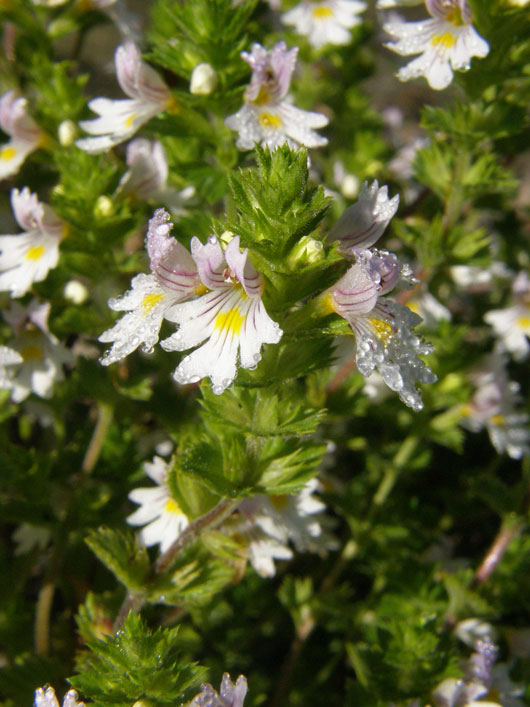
{"type": "Point", "coordinates": [265, 327]}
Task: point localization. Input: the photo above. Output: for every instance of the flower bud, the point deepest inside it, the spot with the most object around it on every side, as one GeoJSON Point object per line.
{"type": "Point", "coordinates": [75, 292]}
{"type": "Point", "coordinates": [350, 186]}
{"type": "Point", "coordinates": [67, 132]}
{"type": "Point", "coordinates": [203, 80]}
{"type": "Point", "coordinates": [306, 251]}
{"type": "Point", "coordinates": [104, 207]}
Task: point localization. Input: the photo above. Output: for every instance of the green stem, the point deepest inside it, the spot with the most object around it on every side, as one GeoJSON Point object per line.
{"type": "Point", "coordinates": [391, 474]}
{"type": "Point", "coordinates": [98, 437]}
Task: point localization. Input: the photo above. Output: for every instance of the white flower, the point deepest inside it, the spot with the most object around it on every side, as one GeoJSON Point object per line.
{"type": "Point", "coordinates": [512, 325]}
{"type": "Point", "coordinates": [120, 119]}
{"type": "Point", "coordinates": [158, 509]}
{"type": "Point", "coordinates": [446, 42]}
{"type": "Point", "coordinates": [429, 309]}
{"type": "Point", "coordinates": [27, 257]}
{"type": "Point", "coordinates": [229, 695]}
{"type": "Point", "coordinates": [8, 357]}
{"type": "Point", "coordinates": [230, 318]}
{"type": "Point", "coordinates": [25, 134]}
{"type": "Point", "coordinates": [46, 698]}
{"type": "Point", "coordinates": [146, 177]}
{"type": "Point", "coordinates": [267, 117]}
{"type": "Point", "coordinates": [203, 80]}
{"type": "Point", "coordinates": [267, 524]}
{"type": "Point", "coordinates": [325, 22]}
{"type": "Point", "coordinates": [494, 406]}
{"type": "Point", "coordinates": [173, 277]}
{"type": "Point", "coordinates": [27, 537]}
{"type": "Point", "coordinates": [383, 330]}
{"type": "Point", "coordinates": [42, 354]}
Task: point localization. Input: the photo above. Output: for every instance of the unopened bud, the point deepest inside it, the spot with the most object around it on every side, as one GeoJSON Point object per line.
{"type": "Point", "coordinates": [306, 251]}
{"type": "Point", "coordinates": [226, 237]}
{"type": "Point", "coordinates": [104, 207]}
{"type": "Point", "coordinates": [203, 80]}
{"type": "Point", "coordinates": [350, 186]}
{"type": "Point", "coordinates": [67, 132]}
{"type": "Point", "coordinates": [75, 292]}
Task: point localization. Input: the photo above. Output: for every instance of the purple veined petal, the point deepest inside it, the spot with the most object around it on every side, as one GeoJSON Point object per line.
{"type": "Point", "coordinates": [127, 59]}
{"type": "Point", "coordinates": [172, 264]}
{"type": "Point", "coordinates": [355, 293]}
{"type": "Point", "coordinates": [210, 261]}
{"type": "Point", "coordinates": [465, 11]}
{"type": "Point", "coordinates": [38, 314]}
{"type": "Point", "coordinates": [282, 63]}
{"type": "Point", "coordinates": [439, 8]}
{"type": "Point", "coordinates": [27, 208]}
{"type": "Point", "coordinates": [15, 120]}
{"type": "Point", "coordinates": [234, 694]}
{"type": "Point", "coordinates": [246, 273]}
{"type": "Point", "coordinates": [362, 224]}
{"type": "Point", "coordinates": [271, 72]}
{"type": "Point", "coordinates": [150, 86]}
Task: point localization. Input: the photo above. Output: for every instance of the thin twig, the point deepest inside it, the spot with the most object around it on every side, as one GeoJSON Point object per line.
{"type": "Point", "coordinates": [98, 437]}
{"type": "Point", "coordinates": [508, 531]}
{"type": "Point", "coordinates": [134, 602]}
{"type": "Point", "coordinates": [42, 617]}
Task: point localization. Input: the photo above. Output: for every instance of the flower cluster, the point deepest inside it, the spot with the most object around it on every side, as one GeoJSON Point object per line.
{"type": "Point", "coordinates": [446, 42]}
{"type": "Point", "coordinates": [267, 116]}
{"type": "Point", "coordinates": [512, 324]}
{"type": "Point", "coordinates": [223, 307]}
{"type": "Point", "coordinates": [383, 328]}
{"type": "Point", "coordinates": [229, 695]}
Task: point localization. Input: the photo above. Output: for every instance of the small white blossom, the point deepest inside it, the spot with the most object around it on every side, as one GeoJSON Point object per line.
{"type": "Point", "coordinates": [429, 309]}
{"type": "Point", "coordinates": [42, 354]}
{"type": "Point", "coordinates": [147, 175]}
{"type": "Point", "coordinates": [173, 277]}
{"type": "Point", "coordinates": [512, 324]}
{"type": "Point", "coordinates": [203, 80]}
{"type": "Point", "coordinates": [267, 117]}
{"type": "Point", "coordinates": [229, 695]}
{"type": "Point", "coordinates": [446, 43]}
{"type": "Point", "coordinates": [494, 406]}
{"type": "Point", "coordinates": [25, 134]}
{"type": "Point", "coordinates": [27, 257]}
{"type": "Point", "coordinates": [46, 698]}
{"type": "Point", "coordinates": [8, 357]}
{"type": "Point", "coordinates": [230, 318]}
{"type": "Point", "coordinates": [119, 119]}
{"type": "Point", "coordinates": [28, 537]}
{"type": "Point", "coordinates": [326, 21]}
{"type": "Point", "coordinates": [75, 292]}
{"type": "Point", "coordinates": [159, 512]}
{"type": "Point", "coordinates": [267, 524]}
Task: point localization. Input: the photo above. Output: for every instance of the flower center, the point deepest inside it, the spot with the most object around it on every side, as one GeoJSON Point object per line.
{"type": "Point", "coordinates": [230, 321]}
{"type": "Point", "coordinates": [523, 322]}
{"type": "Point", "coordinates": [130, 120]}
{"type": "Point", "coordinates": [498, 420]}
{"type": "Point", "coordinates": [172, 506]}
{"type": "Point", "coordinates": [150, 301]}
{"type": "Point", "coordinates": [279, 502]}
{"type": "Point", "coordinates": [269, 120]}
{"type": "Point", "coordinates": [7, 154]}
{"type": "Point", "coordinates": [35, 253]}
{"type": "Point", "coordinates": [31, 352]}
{"type": "Point", "coordinates": [445, 41]}
{"type": "Point", "coordinates": [382, 329]}
{"type": "Point", "coordinates": [263, 96]}
{"type": "Point", "coordinates": [454, 16]}
{"type": "Point", "coordinates": [322, 13]}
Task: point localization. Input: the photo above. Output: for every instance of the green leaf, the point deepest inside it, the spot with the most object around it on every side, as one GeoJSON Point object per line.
{"type": "Point", "coordinates": [121, 554]}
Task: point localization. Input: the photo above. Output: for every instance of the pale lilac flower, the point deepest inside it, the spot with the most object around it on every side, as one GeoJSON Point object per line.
{"type": "Point", "coordinates": [46, 698]}
{"type": "Point", "coordinates": [230, 318]}
{"type": "Point", "coordinates": [494, 406]}
{"type": "Point", "coordinates": [27, 257]}
{"type": "Point", "coordinates": [119, 119]}
{"type": "Point", "coordinates": [173, 278]}
{"type": "Point", "coordinates": [159, 512]}
{"type": "Point", "coordinates": [325, 21]}
{"type": "Point", "coordinates": [268, 524]}
{"type": "Point", "coordinates": [512, 324]}
{"type": "Point", "coordinates": [446, 43]}
{"type": "Point", "coordinates": [229, 695]}
{"type": "Point", "coordinates": [363, 223]}
{"type": "Point", "coordinates": [25, 134]}
{"type": "Point", "coordinates": [267, 117]}
{"type": "Point", "coordinates": [147, 175]}
{"type": "Point", "coordinates": [383, 331]}
{"type": "Point", "coordinates": [42, 355]}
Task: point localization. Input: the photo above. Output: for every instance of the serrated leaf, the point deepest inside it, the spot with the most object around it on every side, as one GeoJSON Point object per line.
{"type": "Point", "coordinates": [121, 554]}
